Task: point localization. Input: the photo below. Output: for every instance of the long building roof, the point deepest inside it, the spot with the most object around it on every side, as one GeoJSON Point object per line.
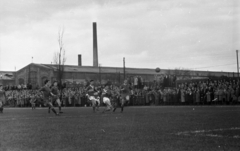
{"type": "Point", "coordinates": [145, 71]}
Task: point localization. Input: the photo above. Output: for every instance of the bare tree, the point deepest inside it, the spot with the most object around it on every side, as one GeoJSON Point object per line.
{"type": "Point", "coordinates": [59, 58]}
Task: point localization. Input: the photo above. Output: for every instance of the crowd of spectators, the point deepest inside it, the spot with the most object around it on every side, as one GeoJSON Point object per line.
{"type": "Point", "coordinates": [209, 92]}
{"type": "Point", "coordinates": [22, 97]}
{"type": "Point", "coordinates": [194, 93]}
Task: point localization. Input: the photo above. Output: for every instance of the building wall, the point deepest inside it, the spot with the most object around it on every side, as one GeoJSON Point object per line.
{"type": "Point", "coordinates": [116, 74]}
{"type": "Point", "coordinates": [37, 73]}
{"type": "Point", "coordinates": [7, 82]}
{"type": "Point", "coordinates": [33, 74]}
{"type": "Point", "coordinates": [7, 78]}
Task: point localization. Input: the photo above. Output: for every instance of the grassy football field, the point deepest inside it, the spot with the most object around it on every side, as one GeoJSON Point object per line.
{"type": "Point", "coordinates": [147, 128]}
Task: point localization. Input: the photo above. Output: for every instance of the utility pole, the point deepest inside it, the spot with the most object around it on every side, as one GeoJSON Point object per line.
{"type": "Point", "coordinates": [123, 68]}
{"type": "Point", "coordinates": [237, 63]}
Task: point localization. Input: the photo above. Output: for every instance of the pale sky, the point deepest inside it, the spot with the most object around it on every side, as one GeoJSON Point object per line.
{"type": "Point", "coordinates": [169, 34]}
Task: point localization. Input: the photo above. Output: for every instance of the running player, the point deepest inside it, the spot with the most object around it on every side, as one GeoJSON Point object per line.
{"type": "Point", "coordinates": [2, 98]}
{"type": "Point", "coordinates": [92, 94]}
{"type": "Point", "coordinates": [56, 95]}
{"type": "Point", "coordinates": [125, 92]}
{"type": "Point", "coordinates": [97, 96]}
{"type": "Point", "coordinates": [115, 97]}
{"type": "Point", "coordinates": [106, 94]}
{"type": "Point", "coordinates": [47, 94]}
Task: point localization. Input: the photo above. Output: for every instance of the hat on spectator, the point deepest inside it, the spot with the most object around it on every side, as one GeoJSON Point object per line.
{"type": "Point", "coordinates": [55, 81]}
{"type": "Point", "coordinates": [46, 81]}
{"type": "Point", "coordinates": [91, 80]}
{"type": "Point", "coordinates": [106, 84]}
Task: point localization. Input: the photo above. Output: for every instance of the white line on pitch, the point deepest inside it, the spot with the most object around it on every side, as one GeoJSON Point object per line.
{"type": "Point", "coordinates": [53, 117]}
{"type": "Point", "coordinates": [203, 131]}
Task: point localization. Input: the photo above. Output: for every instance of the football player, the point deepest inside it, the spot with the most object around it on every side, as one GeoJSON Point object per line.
{"type": "Point", "coordinates": [56, 94]}
{"type": "Point", "coordinates": [92, 95]}
{"type": "Point", "coordinates": [124, 92]}
{"type": "Point", "coordinates": [47, 94]}
{"type": "Point", "coordinates": [106, 94]}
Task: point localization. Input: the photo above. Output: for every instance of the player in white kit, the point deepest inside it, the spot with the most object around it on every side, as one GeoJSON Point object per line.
{"type": "Point", "coordinates": [93, 95]}
{"type": "Point", "coordinates": [106, 94]}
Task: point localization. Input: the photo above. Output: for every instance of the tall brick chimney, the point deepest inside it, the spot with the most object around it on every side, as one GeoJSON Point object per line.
{"type": "Point", "coordinates": [95, 47]}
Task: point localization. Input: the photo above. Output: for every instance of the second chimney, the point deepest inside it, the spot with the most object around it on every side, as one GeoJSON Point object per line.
{"type": "Point", "coordinates": [79, 60]}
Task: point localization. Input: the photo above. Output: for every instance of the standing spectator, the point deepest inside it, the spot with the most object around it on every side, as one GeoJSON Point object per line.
{"type": "Point", "coordinates": [164, 95]}
{"type": "Point", "coordinates": [19, 87]}
{"type": "Point", "coordinates": [220, 94]}
{"type": "Point", "coordinates": [208, 96]}
{"type": "Point", "coordinates": [202, 95]}
{"type": "Point", "coordinates": [182, 96]}
{"type": "Point", "coordinates": [228, 96]}
{"type": "Point", "coordinates": [198, 96]}
{"type": "Point", "coordinates": [215, 96]}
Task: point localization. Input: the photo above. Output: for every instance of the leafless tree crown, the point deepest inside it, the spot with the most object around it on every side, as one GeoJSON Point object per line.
{"type": "Point", "coordinates": [59, 57]}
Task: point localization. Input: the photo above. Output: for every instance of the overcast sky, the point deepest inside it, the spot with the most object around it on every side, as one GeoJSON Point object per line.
{"type": "Point", "coordinates": [191, 34]}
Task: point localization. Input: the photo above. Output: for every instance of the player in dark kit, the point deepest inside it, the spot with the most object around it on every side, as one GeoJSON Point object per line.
{"type": "Point", "coordinates": [92, 94]}
{"type": "Point", "coordinates": [124, 92]}
{"type": "Point", "coordinates": [56, 94]}
{"type": "Point", "coordinates": [47, 94]}
{"type": "Point", "coordinates": [2, 98]}
{"type": "Point", "coordinates": [115, 97]}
